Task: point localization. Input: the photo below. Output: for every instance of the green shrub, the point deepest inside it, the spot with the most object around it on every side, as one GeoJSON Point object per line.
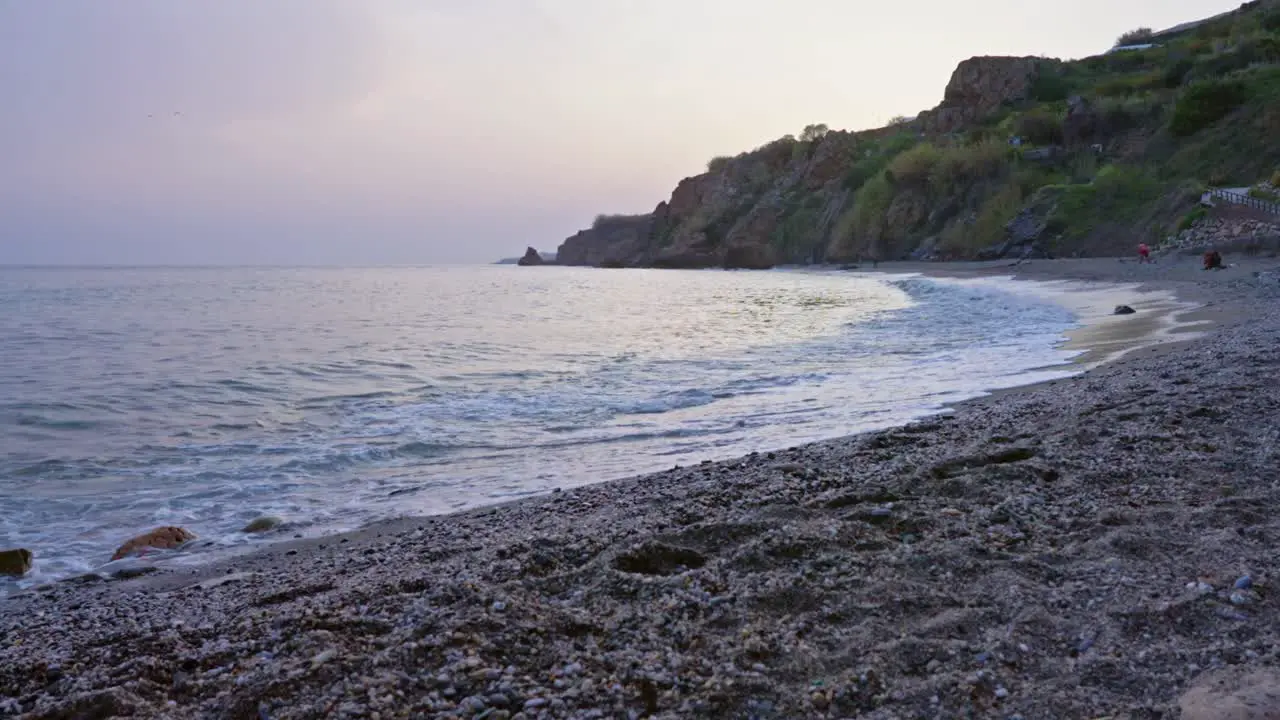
{"type": "Point", "coordinates": [718, 163]}
{"type": "Point", "coordinates": [1204, 103]}
{"type": "Point", "coordinates": [1040, 127]}
{"type": "Point", "coordinates": [1139, 36]}
{"type": "Point", "coordinates": [900, 143]}
{"type": "Point", "coordinates": [1121, 114]}
{"type": "Point", "coordinates": [603, 220]}
{"type": "Point", "coordinates": [1117, 194]}
{"type": "Point", "coordinates": [874, 160]}
{"type": "Point", "coordinates": [988, 224]}
{"type": "Point", "coordinates": [1196, 215]}
{"type": "Point", "coordinates": [1267, 195]}
{"type": "Point", "coordinates": [1084, 167]}
{"type": "Point", "coordinates": [1049, 85]}
{"type": "Point", "coordinates": [861, 172]}
{"type": "Point", "coordinates": [1177, 72]}
{"type": "Point", "coordinates": [1271, 21]}
{"type": "Point", "coordinates": [962, 165]}
{"type": "Point", "coordinates": [814, 132]}
{"type": "Point", "coordinates": [870, 206]}
{"type": "Point", "coordinates": [1268, 49]}
{"type": "Point", "coordinates": [914, 166]}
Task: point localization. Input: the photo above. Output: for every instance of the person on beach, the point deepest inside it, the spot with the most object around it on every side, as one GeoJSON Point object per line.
{"type": "Point", "coordinates": [1213, 260]}
{"type": "Point", "coordinates": [1144, 253]}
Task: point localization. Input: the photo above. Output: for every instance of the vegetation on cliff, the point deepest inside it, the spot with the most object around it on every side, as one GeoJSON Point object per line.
{"type": "Point", "coordinates": [1023, 156]}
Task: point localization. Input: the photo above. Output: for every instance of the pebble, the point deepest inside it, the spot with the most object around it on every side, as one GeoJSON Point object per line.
{"type": "Point", "coordinates": [323, 658]}
{"type": "Point", "coordinates": [1244, 582]}
{"type": "Point", "coordinates": [1201, 587]}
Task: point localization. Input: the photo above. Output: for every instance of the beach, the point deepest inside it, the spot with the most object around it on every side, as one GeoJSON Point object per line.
{"type": "Point", "coordinates": [1099, 546]}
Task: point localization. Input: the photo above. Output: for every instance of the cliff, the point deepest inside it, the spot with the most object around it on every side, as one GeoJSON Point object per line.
{"type": "Point", "coordinates": [1022, 156]}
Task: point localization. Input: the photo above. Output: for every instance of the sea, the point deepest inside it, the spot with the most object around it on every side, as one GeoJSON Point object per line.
{"type": "Point", "coordinates": [334, 397]}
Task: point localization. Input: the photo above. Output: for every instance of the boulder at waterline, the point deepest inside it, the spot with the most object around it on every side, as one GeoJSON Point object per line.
{"type": "Point", "coordinates": [162, 538]}
{"type": "Point", "coordinates": [16, 562]}
{"type": "Point", "coordinates": [1124, 310]}
{"type": "Point", "coordinates": [263, 524]}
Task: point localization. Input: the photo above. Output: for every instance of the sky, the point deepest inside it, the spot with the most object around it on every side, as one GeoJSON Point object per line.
{"type": "Point", "coordinates": [369, 132]}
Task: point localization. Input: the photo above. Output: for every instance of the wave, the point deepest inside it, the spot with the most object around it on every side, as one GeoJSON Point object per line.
{"type": "Point", "coordinates": [665, 403]}
{"type": "Point", "coordinates": [245, 386]}
{"type": "Point", "coordinates": [331, 399]}
{"type": "Point", "coordinates": [52, 424]}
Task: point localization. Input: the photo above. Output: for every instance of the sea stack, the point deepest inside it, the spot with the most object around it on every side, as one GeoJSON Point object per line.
{"type": "Point", "coordinates": [531, 257]}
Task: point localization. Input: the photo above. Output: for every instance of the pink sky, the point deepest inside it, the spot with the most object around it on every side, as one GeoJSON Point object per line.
{"type": "Point", "coordinates": [421, 131]}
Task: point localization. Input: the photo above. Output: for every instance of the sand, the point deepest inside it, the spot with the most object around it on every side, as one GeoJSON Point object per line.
{"type": "Point", "coordinates": [1083, 548]}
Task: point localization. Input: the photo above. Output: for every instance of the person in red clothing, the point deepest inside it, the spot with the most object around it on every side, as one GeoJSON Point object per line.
{"type": "Point", "coordinates": [1144, 253]}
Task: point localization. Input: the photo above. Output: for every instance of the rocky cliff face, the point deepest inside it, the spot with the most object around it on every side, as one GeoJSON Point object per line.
{"type": "Point", "coordinates": [613, 240]}
{"type": "Point", "coordinates": [784, 202]}
{"type": "Point", "coordinates": [1095, 167]}
{"type": "Point", "coordinates": [752, 211]}
{"type": "Point", "coordinates": [980, 87]}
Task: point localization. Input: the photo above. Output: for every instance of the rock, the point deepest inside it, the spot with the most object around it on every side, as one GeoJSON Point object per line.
{"type": "Point", "coordinates": [750, 257]}
{"type": "Point", "coordinates": [979, 87]}
{"type": "Point", "coordinates": [15, 562]}
{"type": "Point", "coordinates": [1124, 310]}
{"type": "Point", "coordinates": [1024, 233]}
{"type": "Point", "coordinates": [1241, 597]}
{"type": "Point", "coordinates": [531, 257]}
{"type": "Point", "coordinates": [612, 241]}
{"type": "Point", "coordinates": [162, 538]}
{"type": "Point", "coordinates": [323, 658]}
{"type": "Point", "coordinates": [262, 524]}
{"type": "Point", "coordinates": [1081, 124]}
{"type": "Point", "coordinates": [1233, 694]}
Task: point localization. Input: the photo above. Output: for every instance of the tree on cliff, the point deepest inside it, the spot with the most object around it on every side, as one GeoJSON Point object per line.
{"type": "Point", "coordinates": [1140, 36]}
{"type": "Point", "coordinates": [814, 132]}
{"type": "Point", "coordinates": [718, 163]}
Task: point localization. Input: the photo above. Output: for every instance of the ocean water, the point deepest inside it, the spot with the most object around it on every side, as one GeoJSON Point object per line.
{"type": "Point", "coordinates": [203, 397]}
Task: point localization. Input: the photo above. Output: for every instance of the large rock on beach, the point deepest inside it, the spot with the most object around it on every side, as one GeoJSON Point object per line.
{"type": "Point", "coordinates": [1233, 694]}
{"type": "Point", "coordinates": [1123, 310]}
{"type": "Point", "coordinates": [162, 538]}
{"type": "Point", "coordinates": [15, 562]}
{"type": "Point", "coordinates": [263, 524]}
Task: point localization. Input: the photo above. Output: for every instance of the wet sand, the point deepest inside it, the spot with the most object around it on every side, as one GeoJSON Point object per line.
{"type": "Point", "coordinates": [1064, 550]}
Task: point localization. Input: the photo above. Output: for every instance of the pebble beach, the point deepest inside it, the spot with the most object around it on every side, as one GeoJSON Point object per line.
{"type": "Point", "coordinates": [1096, 547]}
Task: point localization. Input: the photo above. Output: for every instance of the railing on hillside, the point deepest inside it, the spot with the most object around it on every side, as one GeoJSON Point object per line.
{"type": "Point", "coordinates": [1236, 198]}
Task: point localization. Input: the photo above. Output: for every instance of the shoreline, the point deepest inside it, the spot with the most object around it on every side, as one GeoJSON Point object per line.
{"type": "Point", "coordinates": [1051, 528]}
{"type": "Point", "coordinates": [1090, 303]}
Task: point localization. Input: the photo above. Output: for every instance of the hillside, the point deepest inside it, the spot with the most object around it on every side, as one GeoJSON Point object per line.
{"type": "Point", "coordinates": [1023, 156]}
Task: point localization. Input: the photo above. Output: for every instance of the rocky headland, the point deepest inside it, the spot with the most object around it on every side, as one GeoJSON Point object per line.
{"type": "Point", "coordinates": [1023, 157]}
{"type": "Point", "coordinates": [1101, 546]}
